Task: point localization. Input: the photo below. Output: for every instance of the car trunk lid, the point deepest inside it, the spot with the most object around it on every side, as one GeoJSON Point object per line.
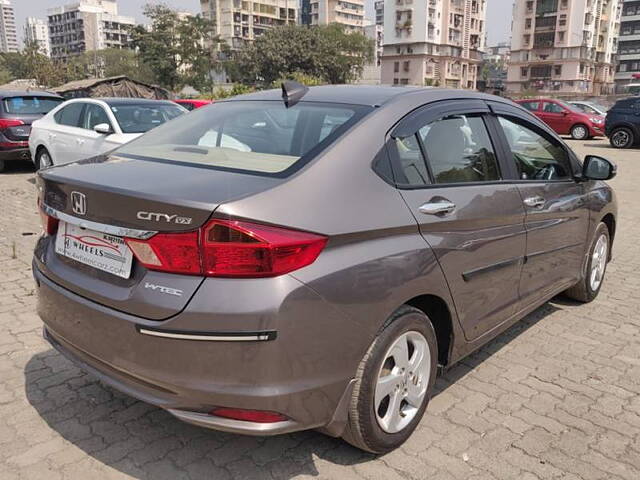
{"type": "Point", "coordinates": [151, 196]}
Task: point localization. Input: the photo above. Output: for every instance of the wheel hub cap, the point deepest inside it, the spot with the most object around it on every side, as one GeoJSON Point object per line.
{"type": "Point", "coordinates": [598, 262]}
{"type": "Point", "coordinates": [402, 382]}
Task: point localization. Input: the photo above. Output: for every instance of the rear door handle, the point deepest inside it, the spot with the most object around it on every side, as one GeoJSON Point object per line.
{"type": "Point", "coordinates": [437, 208]}
{"type": "Point", "coordinates": [535, 202]}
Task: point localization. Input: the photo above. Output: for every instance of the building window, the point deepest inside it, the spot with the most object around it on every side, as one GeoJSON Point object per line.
{"type": "Point", "coordinates": [396, 67]}
{"type": "Point", "coordinates": [526, 39]}
{"type": "Point", "coordinates": [524, 71]}
{"type": "Point", "coordinates": [561, 36]}
{"type": "Point", "coordinates": [563, 20]}
{"type": "Point", "coordinates": [527, 23]}
{"type": "Point", "coordinates": [405, 65]}
{"type": "Point", "coordinates": [404, 81]}
{"type": "Point", "coordinates": [395, 81]}
{"type": "Point", "coordinates": [557, 70]}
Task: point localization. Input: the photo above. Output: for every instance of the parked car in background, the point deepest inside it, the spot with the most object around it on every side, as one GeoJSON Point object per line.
{"type": "Point", "coordinates": [623, 123]}
{"type": "Point", "coordinates": [87, 127]}
{"type": "Point", "coordinates": [18, 110]}
{"type": "Point", "coordinates": [192, 104]}
{"type": "Point", "coordinates": [233, 268]}
{"type": "Point", "coordinates": [590, 108]}
{"type": "Point", "coordinates": [564, 118]}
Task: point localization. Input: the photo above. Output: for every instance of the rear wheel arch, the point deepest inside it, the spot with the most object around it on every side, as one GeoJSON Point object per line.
{"type": "Point", "coordinates": [39, 149]}
{"type": "Point", "coordinates": [439, 313]}
{"type": "Point", "coordinates": [610, 221]}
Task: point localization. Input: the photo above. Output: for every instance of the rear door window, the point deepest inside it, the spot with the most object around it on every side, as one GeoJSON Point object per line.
{"type": "Point", "coordinates": [263, 137]}
{"type": "Point", "coordinates": [531, 106]}
{"type": "Point", "coordinates": [71, 115]}
{"type": "Point", "coordinates": [459, 150]}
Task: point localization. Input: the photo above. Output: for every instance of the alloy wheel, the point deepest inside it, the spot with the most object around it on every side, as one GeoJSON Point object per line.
{"type": "Point", "coordinates": [598, 262]}
{"type": "Point", "coordinates": [579, 132]}
{"type": "Point", "coordinates": [620, 138]}
{"type": "Point", "coordinates": [45, 160]}
{"type": "Point", "coordinates": [402, 382]}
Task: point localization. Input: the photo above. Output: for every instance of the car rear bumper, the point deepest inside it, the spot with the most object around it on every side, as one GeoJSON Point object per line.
{"type": "Point", "coordinates": [21, 153]}
{"type": "Point", "coordinates": [301, 378]}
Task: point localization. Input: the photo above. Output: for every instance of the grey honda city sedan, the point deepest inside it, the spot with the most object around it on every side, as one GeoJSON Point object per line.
{"type": "Point", "coordinates": [313, 258]}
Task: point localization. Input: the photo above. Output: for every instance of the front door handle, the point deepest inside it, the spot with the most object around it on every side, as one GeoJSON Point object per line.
{"type": "Point", "coordinates": [535, 202]}
{"type": "Point", "coordinates": [437, 208]}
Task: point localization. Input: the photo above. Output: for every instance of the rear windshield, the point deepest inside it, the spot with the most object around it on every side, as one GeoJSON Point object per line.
{"type": "Point", "coordinates": [30, 105]}
{"type": "Point", "coordinates": [262, 137]}
{"type": "Point", "coordinates": [140, 118]}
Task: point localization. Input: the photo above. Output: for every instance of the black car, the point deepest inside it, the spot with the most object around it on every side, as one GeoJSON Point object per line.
{"type": "Point", "coordinates": [18, 110]}
{"type": "Point", "coordinates": [622, 124]}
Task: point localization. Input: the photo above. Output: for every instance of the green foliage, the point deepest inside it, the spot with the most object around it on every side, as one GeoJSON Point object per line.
{"type": "Point", "coordinates": [113, 62]}
{"type": "Point", "coordinates": [179, 51]}
{"type": "Point", "coordinates": [326, 53]}
{"type": "Point", "coordinates": [303, 78]}
{"type": "Point", "coordinates": [220, 93]}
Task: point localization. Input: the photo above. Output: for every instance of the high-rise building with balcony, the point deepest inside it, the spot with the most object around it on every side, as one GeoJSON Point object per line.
{"type": "Point", "coordinates": [349, 13]}
{"type": "Point", "coordinates": [433, 42]}
{"type": "Point", "coordinates": [36, 31]}
{"type": "Point", "coordinates": [239, 21]}
{"type": "Point", "coordinates": [378, 6]}
{"type": "Point", "coordinates": [629, 45]}
{"type": "Point", "coordinates": [8, 31]}
{"type": "Point", "coordinates": [564, 46]}
{"type": "Point", "coordinates": [87, 25]}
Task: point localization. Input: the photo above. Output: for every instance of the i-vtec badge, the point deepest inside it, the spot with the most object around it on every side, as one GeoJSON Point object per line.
{"type": "Point", "coordinates": [163, 289]}
{"type": "Point", "coordinates": [163, 217]}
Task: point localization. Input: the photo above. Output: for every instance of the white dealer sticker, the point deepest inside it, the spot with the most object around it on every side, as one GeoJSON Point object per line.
{"type": "Point", "coordinates": [99, 250]}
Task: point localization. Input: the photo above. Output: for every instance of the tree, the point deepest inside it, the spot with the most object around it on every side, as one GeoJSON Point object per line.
{"type": "Point", "coordinates": [177, 50]}
{"type": "Point", "coordinates": [327, 53]}
{"type": "Point", "coordinates": [113, 62]}
{"type": "Point", "coordinates": [31, 64]}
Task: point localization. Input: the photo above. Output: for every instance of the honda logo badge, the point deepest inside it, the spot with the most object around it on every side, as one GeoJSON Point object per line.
{"type": "Point", "coordinates": [79, 203]}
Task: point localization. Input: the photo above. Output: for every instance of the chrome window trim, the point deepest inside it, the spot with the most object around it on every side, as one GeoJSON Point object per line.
{"type": "Point", "coordinates": [98, 227]}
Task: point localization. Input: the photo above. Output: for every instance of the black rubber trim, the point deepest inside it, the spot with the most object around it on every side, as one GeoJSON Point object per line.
{"type": "Point", "coordinates": [466, 276]}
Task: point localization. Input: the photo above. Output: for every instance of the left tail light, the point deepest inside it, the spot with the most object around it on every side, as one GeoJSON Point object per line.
{"type": "Point", "coordinates": [49, 223]}
{"type": "Point", "coordinates": [9, 122]}
{"type": "Point", "coordinates": [230, 248]}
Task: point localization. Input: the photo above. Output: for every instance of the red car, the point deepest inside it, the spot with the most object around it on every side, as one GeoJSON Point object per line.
{"type": "Point", "coordinates": [565, 119]}
{"type": "Point", "coordinates": [191, 104]}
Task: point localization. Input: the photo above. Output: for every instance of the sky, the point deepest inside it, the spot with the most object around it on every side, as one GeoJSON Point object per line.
{"type": "Point", "coordinates": [498, 12]}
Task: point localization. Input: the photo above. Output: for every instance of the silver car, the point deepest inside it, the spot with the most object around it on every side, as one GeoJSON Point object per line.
{"type": "Point", "coordinates": [313, 258]}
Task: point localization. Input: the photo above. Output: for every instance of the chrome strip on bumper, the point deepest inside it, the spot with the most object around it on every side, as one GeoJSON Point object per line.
{"type": "Point", "coordinates": [234, 426]}
{"type": "Point", "coordinates": [211, 336]}
{"type": "Point", "coordinates": [99, 227]}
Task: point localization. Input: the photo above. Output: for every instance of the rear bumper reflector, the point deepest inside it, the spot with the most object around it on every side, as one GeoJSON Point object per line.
{"type": "Point", "coordinates": [211, 336]}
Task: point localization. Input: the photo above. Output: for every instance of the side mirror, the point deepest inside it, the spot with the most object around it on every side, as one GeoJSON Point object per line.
{"type": "Point", "coordinates": [103, 128]}
{"type": "Point", "coordinates": [598, 168]}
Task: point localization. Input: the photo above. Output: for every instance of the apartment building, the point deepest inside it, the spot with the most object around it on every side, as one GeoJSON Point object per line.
{"type": "Point", "coordinates": [433, 42]}
{"type": "Point", "coordinates": [87, 25]}
{"type": "Point", "coordinates": [564, 46]}
{"type": "Point", "coordinates": [629, 46]}
{"type": "Point", "coordinates": [378, 6]}
{"type": "Point", "coordinates": [349, 13]}
{"type": "Point", "coordinates": [8, 31]}
{"type": "Point", "coordinates": [37, 31]}
{"type": "Point", "coordinates": [239, 21]}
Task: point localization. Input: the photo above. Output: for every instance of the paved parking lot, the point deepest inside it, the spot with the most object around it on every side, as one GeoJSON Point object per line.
{"type": "Point", "coordinates": [556, 396]}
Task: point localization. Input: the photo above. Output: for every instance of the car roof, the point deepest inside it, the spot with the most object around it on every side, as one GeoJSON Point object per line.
{"type": "Point", "coordinates": [112, 101]}
{"type": "Point", "coordinates": [372, 95]}
{"type": "Point", "coordinates": [27, 93]}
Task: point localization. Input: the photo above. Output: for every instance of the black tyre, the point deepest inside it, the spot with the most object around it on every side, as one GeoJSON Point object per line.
{"type": "Point", "coordinates": [579, 132]}
{"type": "Point", "coordinates": [621, 137]}
{"type": "Point", "coordinates": [394, 383]}
{"type": "Point", "coordinates": [43, 159]}
{"type": "Point", "coordinates": [596, 266]}
{"type": "Point", "coordinates": [2, 165]}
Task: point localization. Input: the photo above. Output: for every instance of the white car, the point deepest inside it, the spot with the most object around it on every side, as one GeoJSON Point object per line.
{"type": "Point", "coordinates": [84, 128]}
